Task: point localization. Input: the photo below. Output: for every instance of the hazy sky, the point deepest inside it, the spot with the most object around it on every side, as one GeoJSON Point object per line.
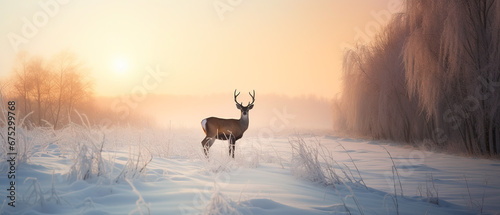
{"type": "Point", "coordinates": [288, 47]}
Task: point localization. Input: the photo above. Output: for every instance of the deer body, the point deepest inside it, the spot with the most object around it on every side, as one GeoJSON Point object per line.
{"type": "Point", "coordinates": [226, 129]}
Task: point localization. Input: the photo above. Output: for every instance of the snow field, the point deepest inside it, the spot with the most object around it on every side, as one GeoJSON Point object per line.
{"type": "Point", "coordinates": [86, 170]}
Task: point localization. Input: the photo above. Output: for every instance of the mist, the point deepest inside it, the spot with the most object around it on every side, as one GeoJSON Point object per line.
{"type": "Point", "coordinates": [272, 111]}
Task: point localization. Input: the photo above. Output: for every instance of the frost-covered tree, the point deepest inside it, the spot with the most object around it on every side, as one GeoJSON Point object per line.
{"type": "Point", "coordinates": [433, 73]}
{"type": "Point", "coordinates": [452, 66]}
{"type": "Point", "coordinates": [374, 99]}
{"type": "Point", "coordinates": [71, 86]}
{"type": "Point", "coordinates": [49, 90]}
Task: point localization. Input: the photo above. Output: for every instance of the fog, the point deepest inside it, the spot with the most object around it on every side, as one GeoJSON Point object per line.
{"type": "Point", "coordinates": [271, 111]}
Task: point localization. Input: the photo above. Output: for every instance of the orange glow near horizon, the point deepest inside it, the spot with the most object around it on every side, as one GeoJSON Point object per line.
{"type": "Point", "coordinates": [275, 47]}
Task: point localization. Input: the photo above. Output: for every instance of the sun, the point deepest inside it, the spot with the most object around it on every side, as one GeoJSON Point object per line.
{"type": "Point", "coordinates": [120, 66]}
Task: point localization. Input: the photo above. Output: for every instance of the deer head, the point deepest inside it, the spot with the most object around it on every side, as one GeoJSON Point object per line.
{"type": "Point", "coordinates": [244, 109]}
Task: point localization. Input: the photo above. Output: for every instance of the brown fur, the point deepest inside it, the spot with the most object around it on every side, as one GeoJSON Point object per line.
{"type": "Point", "coordinates": [222, 128]}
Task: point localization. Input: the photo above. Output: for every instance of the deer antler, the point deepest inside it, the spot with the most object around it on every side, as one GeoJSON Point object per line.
{"type": "Point", "coordinates": [236, 95]}
{"type": "Point", "coordinates": [253, 97]}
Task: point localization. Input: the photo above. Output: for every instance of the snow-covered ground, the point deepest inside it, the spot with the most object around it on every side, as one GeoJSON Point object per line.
{"type": "Point", "coordinates": [268, 176]}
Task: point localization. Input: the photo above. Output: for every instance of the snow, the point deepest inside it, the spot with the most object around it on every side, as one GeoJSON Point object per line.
{"type": "Point", "coordinates": [179, 180]}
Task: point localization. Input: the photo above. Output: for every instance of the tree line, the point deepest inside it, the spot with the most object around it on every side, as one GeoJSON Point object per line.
{"type": "Point", "coordinates": [47, 91]}
{"type": "Point", "coordinates": [51, 92]}
{"type": "Point", "coordinates": [432, 75]}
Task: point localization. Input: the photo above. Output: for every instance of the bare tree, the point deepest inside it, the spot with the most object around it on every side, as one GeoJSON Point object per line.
{"type": "Point", "coordinates": [42, 86]}
{"type": "Point", "coordinates": [22, 84]}
{"type": "Point", "coordinates": [70, 83]}
{"type": "Point", "coordinates": [51, 90]}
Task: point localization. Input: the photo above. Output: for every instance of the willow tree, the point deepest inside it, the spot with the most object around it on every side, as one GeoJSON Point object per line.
{"type": "Point", "coordinates": [432, 74]}
{"type": "Point", "coordinates": [452, 66]}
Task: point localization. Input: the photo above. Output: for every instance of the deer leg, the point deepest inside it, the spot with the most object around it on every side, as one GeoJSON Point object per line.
{"type": "Point", "coordinates": [232, 144]}
{"type": "Point", "coordinates": [207, 143]}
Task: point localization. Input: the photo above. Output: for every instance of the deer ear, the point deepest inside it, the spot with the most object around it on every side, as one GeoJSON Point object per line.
{"type": "Point", "coordinates": [250, 107]}
{"type": "Point", "coordinates": [238, 106]}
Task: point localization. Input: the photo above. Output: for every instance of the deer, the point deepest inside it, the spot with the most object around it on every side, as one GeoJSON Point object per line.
{"type": "Point", "coordinates": [226, 129]}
